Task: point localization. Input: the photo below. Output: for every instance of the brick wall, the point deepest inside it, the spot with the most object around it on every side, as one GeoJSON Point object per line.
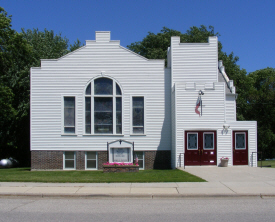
{"type": "Point", "coordinates": [53, 160]}
{"type": "Point", "coordinates": [120, 169]}
{"type": "Point", "coordinates": [157, 159]}
{"type": "Point", "coordinates": [80, 160]}
{"type": "Point", "coordinates": [102, 158]}
{"type": "Point", "coordinates": [46, 160]}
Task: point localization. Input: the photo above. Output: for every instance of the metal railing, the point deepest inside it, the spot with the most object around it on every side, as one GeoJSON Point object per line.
{"type": "Point", "coordinates": [256, 158]}
{"type": "Point", "coordinates": [181, 159]}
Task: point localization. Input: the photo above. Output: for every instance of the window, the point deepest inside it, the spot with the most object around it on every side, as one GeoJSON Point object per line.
{"type": "Point", "coordinates": [192, 141]}
{"type": "Point", "coordinates": [240, 141]}
{"type": "Point", "coordinates": [140, 156]}
{"type": "Point", "coordinates": [69, 160]}
{"type": "Point", "coordinates": [138, 115]}
{"type": "Point", "coordinates": [91, 160]}
{"type": "Point", "coordinates": [103, 107]}
{"type": "Point", "coordinates": [69, 114]}
{"type": "Point", "coordinates": [208, 141]}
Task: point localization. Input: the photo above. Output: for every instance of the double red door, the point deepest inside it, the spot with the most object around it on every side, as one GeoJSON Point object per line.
{"type": "Point", "coordinates": [200, 148]}
{"type": "Point", "coordinates": [240, 148]}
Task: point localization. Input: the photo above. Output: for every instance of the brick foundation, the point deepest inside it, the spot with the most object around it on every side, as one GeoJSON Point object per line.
{"type": "Point", "coordinates": [53, 160]}
{"type": "Point", "coordinates": [46, 160]}
{"type": "Point", "coordinates": [120, 169]}
{"type": "Point", "coordinates": [157, 159]}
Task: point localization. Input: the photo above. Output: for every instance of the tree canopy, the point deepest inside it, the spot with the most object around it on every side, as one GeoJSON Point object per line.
{"type": "Point", "coordinates": [18, 53]}
{"type": "Point", "coordinates": [154, 46]}
{"type": "Point", "coordinates": [261, 107]}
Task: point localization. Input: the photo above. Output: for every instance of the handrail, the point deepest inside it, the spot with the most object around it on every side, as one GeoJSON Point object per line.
{"type": "Point", "coordinates": [183, 159]}
{"type": "Point", "coordinates": [256, 160]}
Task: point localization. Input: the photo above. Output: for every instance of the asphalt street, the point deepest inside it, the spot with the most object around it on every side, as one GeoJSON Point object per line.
{"type": "Point", "coordinates": [20, 209]}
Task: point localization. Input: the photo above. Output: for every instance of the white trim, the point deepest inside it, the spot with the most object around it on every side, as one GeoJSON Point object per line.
{"type": "Point", "coordinates": [144, 115]}
{"type": "Point", "coordinates": [31, 121]}
{"type": "Point", "coordinates": [96, 159]}
{"type": "Point", "coordinates": [102, 134]}
{"type": "Point", "coordinates": [113, 96]}
{"type": "Point", "coordinates": [244, 141]}
{"type": "Point", "coordinates": [62, 114]}
{"type": "Point", "coordinates": [114, 147]}
{"type": "Point", "coordinates": [143, 159]}
{"type": "Point", "coordinates": [69, 159]}
{"type": "Point", "coordinates": [175, 126]}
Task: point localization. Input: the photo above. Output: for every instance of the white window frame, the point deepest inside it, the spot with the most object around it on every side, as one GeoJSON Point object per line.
{"type": "Point", "coordinates": [197, 140]}
{"type": "Point", "coordinates": [131, 115]}
{"type": "Point", "coordinates": [64, 156]}
{"type": "Point", "coordinates": [236, 141]}
{"type": "Point", "coordinates": [86, 159]}
{"type": "Point", "coordinates": [62, 115]}
{"type": "Point", "coordinates": [143, 158]}
{"type": "Point", "coordinates": [213, 141]}
{"type": "Point", "coordinates": [113, 96]}
{"type": "Point", "coordinates": [111, 154]}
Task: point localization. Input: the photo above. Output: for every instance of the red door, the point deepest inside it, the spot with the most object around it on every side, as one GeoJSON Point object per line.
{"type": "Point", "coordinates": [240, 148]}
{"type": "Point", "coordinates": [200, 148]}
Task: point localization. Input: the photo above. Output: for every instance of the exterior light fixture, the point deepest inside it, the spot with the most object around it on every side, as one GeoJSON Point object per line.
{"type": "Point", "coordinates": [226, 127]}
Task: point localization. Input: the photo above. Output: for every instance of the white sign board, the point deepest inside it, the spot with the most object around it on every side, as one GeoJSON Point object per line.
{"type": "Point", "coordinates": [121, 154]}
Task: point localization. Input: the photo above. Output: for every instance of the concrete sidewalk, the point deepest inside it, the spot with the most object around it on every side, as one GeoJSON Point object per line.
{"type": "Point", "coordinates": [229, 181]}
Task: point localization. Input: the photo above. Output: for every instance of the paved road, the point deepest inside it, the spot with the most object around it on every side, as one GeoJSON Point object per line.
{"type": "Point", "coordinates": [116, 210]}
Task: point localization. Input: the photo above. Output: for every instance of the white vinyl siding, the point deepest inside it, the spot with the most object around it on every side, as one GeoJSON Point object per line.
{"type": "Point", "coordinates": [194, 61]}
{"type": "Point", "coordinates": [230, 108]}
{"type": "Point", "coordinates": [174, 130]}
{"type": "Point", "coordinates": [168, 112]}
{"type": "Point", "coordinates": [213, 118]}
{"type": "Point", "coordinates": [71, 74]}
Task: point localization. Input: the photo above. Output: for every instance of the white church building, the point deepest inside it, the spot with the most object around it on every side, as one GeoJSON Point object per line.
{"type": "Point", "coordinates": [105, 103]}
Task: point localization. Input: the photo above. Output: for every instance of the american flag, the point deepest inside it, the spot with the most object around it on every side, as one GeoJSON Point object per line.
{"type": "Point", "coordinates": [198, 104]}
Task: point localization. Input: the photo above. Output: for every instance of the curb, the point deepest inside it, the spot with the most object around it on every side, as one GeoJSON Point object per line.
{"type": "Point", "coordinates": [142, 196]}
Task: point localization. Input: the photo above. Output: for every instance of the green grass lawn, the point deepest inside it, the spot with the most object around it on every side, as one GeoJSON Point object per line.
{"type": "Point", "coordinates": [267, 162]}
{"type": "Point", "coordinates": [143, 176]}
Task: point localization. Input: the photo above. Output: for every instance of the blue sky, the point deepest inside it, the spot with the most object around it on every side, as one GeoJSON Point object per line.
{"type": "Point", "coordinates": [247, 27]}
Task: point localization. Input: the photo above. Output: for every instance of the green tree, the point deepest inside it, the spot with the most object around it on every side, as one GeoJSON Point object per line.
{"type": "Point", "coordinates": [18, 53]}
{"type": "Point", "coordinates": [7, 120]}
{"type": "Point", "coordinates": [14, 59]}
{"type": "Point", "coordinates": [154, 46]}
{"type": "Point", "coordinates": [47, 45]}
{"type": "Point", "coordinates": [261, 107]}
{"type": "Point", "coordinates": [77, 44]}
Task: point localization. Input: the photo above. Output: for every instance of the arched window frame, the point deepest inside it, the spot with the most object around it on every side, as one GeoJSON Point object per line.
{"type": "Point", "coordinates": [115, 110]}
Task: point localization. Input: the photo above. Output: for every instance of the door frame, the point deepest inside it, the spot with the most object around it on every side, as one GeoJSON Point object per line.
{"type": "Point", "coordinates": [200, 153]}
{"type": "Point", "coordinates": [245, 152]}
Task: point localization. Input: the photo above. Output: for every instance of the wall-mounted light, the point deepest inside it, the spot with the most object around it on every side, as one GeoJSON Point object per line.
{"type": "Point", "coordinates": [226, 127]}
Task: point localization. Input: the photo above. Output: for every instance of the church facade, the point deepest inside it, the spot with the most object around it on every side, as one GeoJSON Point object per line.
{"type": "Point", "coordinates": [105, 103]}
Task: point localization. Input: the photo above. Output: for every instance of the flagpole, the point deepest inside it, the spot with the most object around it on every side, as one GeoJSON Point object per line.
{"type": "Point", "coordinates": [201, 105]}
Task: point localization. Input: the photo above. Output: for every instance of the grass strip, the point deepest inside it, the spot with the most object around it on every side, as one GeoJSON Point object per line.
{"type": "Point", "coordinates": [143, 176]}
{"type": "Point", "coordinates": [270, 163]}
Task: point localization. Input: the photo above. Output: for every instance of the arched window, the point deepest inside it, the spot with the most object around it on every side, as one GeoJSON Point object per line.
{"type": "Point", "coordinates": [103, 107]}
